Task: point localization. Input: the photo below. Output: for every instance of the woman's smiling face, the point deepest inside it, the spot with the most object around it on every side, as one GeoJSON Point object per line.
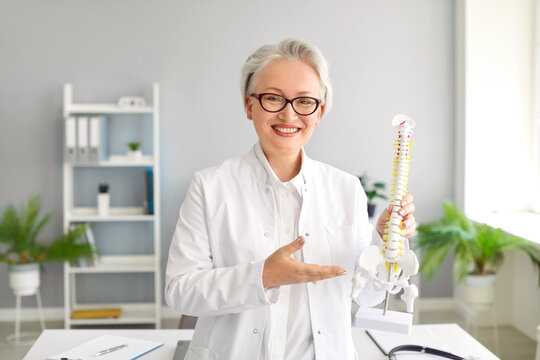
{"type": "Point", "coordinates": [284, 132]}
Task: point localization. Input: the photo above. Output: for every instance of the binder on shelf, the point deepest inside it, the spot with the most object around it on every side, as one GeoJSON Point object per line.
{"type": "Point", "coordinates": [82, 139]}
{"type": "Point", "coordinates": [145, 193]}
{"type": "Point", "coordinates": [148, 191]}
{"type": "Point", "coordinates": [70, 143]}
{"type": "Point", "coordinates": [98, 141]}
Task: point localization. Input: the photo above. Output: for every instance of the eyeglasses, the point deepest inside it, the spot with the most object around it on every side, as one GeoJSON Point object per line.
{"type": "Point", "coordinates": [303, 105]}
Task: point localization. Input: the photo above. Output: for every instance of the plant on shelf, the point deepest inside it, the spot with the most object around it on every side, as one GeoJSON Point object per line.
{"type": "Point", "coordinates": [20, 249]}
{"type": "Point", "coordinates": [134, 153]}
{"type": "Point", "coordinates": [372, 191]}
{"type": "Point", "coordinates": [478, 249]}
{"type": "Point", "coordinates": [134, 146]}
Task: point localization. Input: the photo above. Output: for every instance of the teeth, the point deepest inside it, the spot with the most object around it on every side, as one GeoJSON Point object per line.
{"type": "Point", "coordinates": [286, 130]}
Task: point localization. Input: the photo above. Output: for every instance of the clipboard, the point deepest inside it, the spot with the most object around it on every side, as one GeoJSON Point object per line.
{"type": "Point", "coordinates": [135, 348]}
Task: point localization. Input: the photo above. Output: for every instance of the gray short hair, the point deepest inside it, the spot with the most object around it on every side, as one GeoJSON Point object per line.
{"type": "Point", "coordinates": [289, 49]}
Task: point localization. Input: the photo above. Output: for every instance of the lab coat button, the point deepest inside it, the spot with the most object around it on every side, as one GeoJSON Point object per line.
{"type": "Point", "coordinates": [266, 234]}
{"type": "Point", "coordinates": [255, 331]}
{"type": "Point", "coordinates": [319, 332]}
{"type": "Point", "coordinates": [307, 234]}
{"type": "Point", "coordinates": [267, 190]}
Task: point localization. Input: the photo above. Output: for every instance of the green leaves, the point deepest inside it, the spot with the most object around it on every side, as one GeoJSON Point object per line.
{"type": "Point", "coordinates": [438, 238]}
{"type": "Point", "coordinates": [372, 192]}
{"type": "Point", "coordinates": [433, 259]}
{"type": "Point", "coordinates": [134, 146]}
{"type": "Point", "coordinates": [19, 231]}
{"type": "Point", "coordinates": [67, 247]}
{"type": "Point", "coordinates": [478, 248]}
{"type": "Point", "coordinates": [380, 185]}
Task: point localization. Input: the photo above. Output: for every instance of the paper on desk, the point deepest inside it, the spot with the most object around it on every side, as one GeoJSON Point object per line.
{"type": "Point", "coordinates": [422, 336]}
{"type": "Point", "coordinates": [135, 348]}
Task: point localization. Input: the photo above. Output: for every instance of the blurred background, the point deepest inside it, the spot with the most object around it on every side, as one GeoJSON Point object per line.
{"type": "Point", "coordinates": [463, 70]}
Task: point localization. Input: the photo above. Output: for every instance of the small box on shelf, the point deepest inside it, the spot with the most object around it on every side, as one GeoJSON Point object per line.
{"type": "Point", "coordinates": [131, 314]}
{"type": "Point", "coordinates": [97, 313]}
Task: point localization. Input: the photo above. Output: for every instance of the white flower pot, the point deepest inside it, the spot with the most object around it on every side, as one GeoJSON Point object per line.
{"type": "Point", "coordinates": [480, 290]}
{"type": "Point", "coordinates": [134, 155]}
{"type": "Point", "coordinates": [24, 278]}
{"type": "Point", "coordinates": [103, 202]}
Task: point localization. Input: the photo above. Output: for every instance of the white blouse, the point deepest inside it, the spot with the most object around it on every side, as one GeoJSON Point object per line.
{"type": "Point", "coordinates": [288, 333]}
{"type": "Point", "coordinates": [228, 226]}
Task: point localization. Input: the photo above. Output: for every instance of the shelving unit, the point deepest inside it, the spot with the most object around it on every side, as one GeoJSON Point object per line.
{"type": "Point", "coordinates": [132, 312]}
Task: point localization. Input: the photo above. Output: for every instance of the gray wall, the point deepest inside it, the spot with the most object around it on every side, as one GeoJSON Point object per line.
{"type": "Point", "coordinates": [386, 57]}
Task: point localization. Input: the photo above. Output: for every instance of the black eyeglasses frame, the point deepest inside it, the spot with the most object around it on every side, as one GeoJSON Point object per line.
{"type": "Point", "coordinates": [287, 101]}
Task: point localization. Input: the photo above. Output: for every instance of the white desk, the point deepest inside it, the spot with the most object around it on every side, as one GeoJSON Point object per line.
{"type": "Point", "coordinates": [53, 342]}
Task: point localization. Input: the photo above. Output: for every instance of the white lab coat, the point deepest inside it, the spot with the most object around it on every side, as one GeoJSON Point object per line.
{"type": "Point", "coordinates": [217, 254]}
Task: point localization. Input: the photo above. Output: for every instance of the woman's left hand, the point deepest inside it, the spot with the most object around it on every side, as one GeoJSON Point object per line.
{"type": "Point", "coordinates": [408, 223]}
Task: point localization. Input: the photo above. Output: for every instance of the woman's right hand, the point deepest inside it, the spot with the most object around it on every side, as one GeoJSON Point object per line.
{"type": "Point", "coordinates": [281, 268]}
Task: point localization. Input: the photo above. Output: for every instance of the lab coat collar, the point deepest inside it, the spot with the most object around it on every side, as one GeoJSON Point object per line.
{"type": "Point", "coordinates": [271, 178]}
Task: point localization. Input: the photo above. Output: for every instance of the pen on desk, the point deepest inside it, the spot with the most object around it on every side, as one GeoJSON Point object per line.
{"type": "Point", "coordinates": [106, 351]}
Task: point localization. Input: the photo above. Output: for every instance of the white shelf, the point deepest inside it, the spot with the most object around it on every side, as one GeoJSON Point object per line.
{"type": "Point", "coordinates": [118, 264]}
{"type": "Point", "coordinates": [104, 109]}
{"type": "Point", "coordinates": [134, 314]}
{"type": "Point", "coordinates": [90, 214]}
{"type": "Point", "coordinates": [120, 161]}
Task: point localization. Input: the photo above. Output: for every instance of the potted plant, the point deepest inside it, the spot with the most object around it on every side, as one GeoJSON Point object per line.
{"type": "Point", "coordinates": [134, 152]}
{"type": "Point", "coordinates": [478, 251]}
{"type": "Point", "coordinates": [22, 252]}
{"type": "Point", "coordinates": [372, 191]}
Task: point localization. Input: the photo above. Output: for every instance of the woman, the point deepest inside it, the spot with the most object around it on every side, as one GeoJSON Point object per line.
{"type": "Point", "coordinates": [266, 244]}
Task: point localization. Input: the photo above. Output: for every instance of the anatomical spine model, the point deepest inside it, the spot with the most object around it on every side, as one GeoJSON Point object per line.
{"type": "Point", "coordinates": [391, 267]}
